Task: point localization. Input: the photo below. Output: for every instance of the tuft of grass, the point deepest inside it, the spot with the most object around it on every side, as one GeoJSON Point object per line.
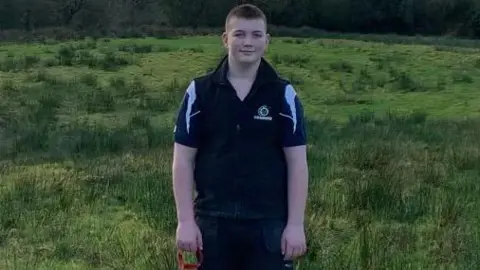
{"type": "Point", "coordinates": [462, 77]}
{"type": "Point", "coordinates": [290, 60]}
{"type": "Point", "coordinates": [198, 49]}
{"type": "Point", "coordinates": [404, 81]}
{"type": "Point", "coordinates": [100, 101]}
{"type": "Point", "coordinates": [342, 66]}
{"type": "Point", "coordinates": [108, 60]}
{"type": "Point", "coordinates": [8, 86]}
{"type": "Point", "coordinates": [136, 48]}
{"type": "Point", "coordinates": [89, 79]}
{"type": "Point", "coordinates": [17, 64]}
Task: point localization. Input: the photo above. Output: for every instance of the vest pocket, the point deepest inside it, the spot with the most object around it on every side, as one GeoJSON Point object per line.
{"type": "Point", "coordinates": [272, 230]}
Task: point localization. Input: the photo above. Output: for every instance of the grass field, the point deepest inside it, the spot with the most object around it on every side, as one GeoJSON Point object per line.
{"type": "Point", "coordinates": [86, 137]}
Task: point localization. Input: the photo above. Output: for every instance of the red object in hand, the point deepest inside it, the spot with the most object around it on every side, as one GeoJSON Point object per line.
{"type": "Point", "coordinates": [189, 266]}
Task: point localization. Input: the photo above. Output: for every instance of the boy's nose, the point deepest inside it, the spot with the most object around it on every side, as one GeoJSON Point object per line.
{"type": "Point", "coordinates": [247, 41]}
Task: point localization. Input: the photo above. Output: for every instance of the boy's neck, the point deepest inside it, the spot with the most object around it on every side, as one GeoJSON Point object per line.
{"type": "Point", "coordinates": [239, 71]}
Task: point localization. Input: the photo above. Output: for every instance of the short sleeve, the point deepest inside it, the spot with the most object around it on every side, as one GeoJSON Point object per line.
{"type": "Point", "coordinates": [293, 122]}
{"type": "Point", "coordinates": [186, 131]}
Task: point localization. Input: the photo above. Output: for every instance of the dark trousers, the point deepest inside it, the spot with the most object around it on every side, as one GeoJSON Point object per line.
{"type": "Point", "coordinates": [242, 244]}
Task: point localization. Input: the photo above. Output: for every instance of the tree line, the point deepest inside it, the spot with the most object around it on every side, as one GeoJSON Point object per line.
{"type": "Point", "coordinates": [459, 18]}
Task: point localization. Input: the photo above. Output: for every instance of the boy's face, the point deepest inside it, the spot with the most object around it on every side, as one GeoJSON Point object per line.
{"type": "Point", "coordinates": [246, 39]}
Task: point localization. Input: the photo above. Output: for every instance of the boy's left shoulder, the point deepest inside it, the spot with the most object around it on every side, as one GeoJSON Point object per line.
{"type": "Point", "coordinates": [283, 81]}
{"type": "Point", "coordinates": [276, 80]}
{"type": "Point", "coordinates": [283, 85]}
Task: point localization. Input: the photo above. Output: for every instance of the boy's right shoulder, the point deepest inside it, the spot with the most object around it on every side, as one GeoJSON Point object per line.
{"type": "Point", "coordinates": [202, 83]}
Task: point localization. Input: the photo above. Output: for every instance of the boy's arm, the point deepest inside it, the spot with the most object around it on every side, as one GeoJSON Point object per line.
{"type": "Point", "coordinates": [182, 175]}
{"type": "Point", "coordinates": [294, 143]}
{"type": "Point", "coordinates": [184, 151]}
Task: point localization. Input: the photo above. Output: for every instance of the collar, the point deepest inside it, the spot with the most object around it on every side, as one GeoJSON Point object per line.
{"type": "Point", "coordinates": [266, 73]}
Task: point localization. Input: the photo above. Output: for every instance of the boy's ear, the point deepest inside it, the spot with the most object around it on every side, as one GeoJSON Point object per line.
{"type": "Point", "coordinates": [267, 41]}
{"type": "Point", "coordinates": [225, 39]}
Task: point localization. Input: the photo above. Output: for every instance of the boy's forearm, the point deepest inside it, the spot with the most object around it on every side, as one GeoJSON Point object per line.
{"type": "Point", "coordinates": [297, 193]}
{"type": "Point", "coordinates": [183, 192]}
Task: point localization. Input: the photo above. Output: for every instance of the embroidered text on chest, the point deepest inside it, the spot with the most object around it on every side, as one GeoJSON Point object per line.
{"type": "Point", "coordinates": [263, 113]}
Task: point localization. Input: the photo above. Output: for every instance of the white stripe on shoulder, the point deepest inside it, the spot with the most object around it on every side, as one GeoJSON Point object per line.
{"type": "Point", "coordinates": [192, 97]}
{"type": "Point", "coordinates": [289, 96]}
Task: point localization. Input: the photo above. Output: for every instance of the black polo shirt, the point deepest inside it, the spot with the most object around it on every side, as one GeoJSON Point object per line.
{"type": "Point", "coordinates": [240, 169]}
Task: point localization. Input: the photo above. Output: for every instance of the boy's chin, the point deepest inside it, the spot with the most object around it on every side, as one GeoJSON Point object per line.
{"type": "Point", "coordinates": [247, 59]}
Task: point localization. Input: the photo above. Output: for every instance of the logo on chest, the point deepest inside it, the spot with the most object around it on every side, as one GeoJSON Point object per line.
{"type": "Point", "coordinates": [263, 114]}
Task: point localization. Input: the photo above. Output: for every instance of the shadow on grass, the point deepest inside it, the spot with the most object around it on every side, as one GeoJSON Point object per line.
{"type": "Point", "coordinates": [85, 140]}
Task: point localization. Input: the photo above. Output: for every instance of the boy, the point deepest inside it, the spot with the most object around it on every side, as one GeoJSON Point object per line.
{"type": "Point", "coordinates": [240, 137]}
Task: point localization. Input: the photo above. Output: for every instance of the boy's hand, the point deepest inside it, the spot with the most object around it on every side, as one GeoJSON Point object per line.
{"type": "Point", "coordinates": [189, 237]}
{"type": "Point", "coordinates": [293, 242]}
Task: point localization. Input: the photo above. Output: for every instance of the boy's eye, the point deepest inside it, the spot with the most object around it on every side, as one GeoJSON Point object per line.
{"type": "Point", "coordinates": [241, 34]}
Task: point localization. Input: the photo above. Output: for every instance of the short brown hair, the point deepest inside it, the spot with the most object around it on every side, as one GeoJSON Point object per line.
{"type": "Point", "coordinates": [245, 11]}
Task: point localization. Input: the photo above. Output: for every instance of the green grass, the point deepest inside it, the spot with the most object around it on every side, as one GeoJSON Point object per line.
{"type": "Point", "coordinates": [86, 146]}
